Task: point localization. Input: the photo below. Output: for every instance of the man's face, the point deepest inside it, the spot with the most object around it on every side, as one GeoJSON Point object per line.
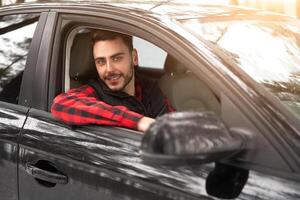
{"type": "Point", "coordinates": [115, 64]}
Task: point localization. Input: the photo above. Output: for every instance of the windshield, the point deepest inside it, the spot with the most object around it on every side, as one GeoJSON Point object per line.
{"type": "Point", "coordinates": [267, 51]}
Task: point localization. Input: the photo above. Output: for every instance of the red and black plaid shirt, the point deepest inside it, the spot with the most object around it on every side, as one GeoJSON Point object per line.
{"type": "Point", "coordinates": [80, 106]}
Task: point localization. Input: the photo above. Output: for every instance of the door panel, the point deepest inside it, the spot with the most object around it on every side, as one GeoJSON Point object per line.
{"type": "Point", "coordinates": [12, 118]}
{"type": "Point", "coordinates": [96, 163]}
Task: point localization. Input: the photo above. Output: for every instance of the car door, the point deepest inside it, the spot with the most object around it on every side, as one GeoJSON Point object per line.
{"type": "Point", "coordinates": [61, 162]}
{"type": "Point", "coordinates": [16, 35]}
{"type": "Point", "coordinates": [68, 162]}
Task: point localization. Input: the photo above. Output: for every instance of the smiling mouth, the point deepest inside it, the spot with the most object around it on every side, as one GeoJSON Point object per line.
{"type": "Point", "coordinates": [113, 77]}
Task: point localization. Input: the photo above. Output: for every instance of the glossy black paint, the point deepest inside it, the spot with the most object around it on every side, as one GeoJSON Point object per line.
{"type": "Point", "coordinates": [206, 139]}
{"type": "Point", "coordinates": [98, 162]}
{"type": "Point", "coordinates": [12, 119]}
{"type": "Point", "coordinates": [105, 162]}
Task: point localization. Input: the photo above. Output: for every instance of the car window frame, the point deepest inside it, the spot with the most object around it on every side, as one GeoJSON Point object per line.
{"type": "Point", "coordinates": [157, 38]}
{"type": "Point", "coordinates": [67, 21]}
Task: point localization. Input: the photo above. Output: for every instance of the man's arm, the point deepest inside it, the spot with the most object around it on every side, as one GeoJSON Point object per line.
{"type": "Point", "coordinates": [79, 106]}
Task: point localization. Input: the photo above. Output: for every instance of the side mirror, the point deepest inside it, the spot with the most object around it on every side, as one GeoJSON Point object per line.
{"type": "Point", "coordinates": [190, 137]}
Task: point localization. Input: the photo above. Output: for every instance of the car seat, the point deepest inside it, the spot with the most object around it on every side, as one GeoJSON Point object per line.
{"type": "Point", "coordinates": [82, 67]}
{"type": "Point", "coordinates": [184, 90]}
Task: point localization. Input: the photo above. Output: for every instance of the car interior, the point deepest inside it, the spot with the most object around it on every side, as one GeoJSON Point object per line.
{"type": "Point", "coordinates": [181, 86]}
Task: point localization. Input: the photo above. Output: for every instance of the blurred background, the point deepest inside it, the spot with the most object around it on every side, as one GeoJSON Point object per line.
{"type": "Point", "coordinates": [288, 7]}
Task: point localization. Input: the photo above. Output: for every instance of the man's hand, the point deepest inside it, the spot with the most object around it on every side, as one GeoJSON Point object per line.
{"type": "Point", "coordinates": [144, 123]}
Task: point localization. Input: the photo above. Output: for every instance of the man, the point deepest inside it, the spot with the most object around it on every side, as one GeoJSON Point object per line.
{"type": "Point", "coordinates": [118, 97]}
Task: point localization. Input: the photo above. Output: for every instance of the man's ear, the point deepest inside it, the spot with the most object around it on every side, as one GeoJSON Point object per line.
{"type": "Point", "coordinates": [135, 58]}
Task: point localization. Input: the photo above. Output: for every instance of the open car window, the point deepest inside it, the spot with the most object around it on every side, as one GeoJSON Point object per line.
{"type": "Point", "coordinates": [180, 85]}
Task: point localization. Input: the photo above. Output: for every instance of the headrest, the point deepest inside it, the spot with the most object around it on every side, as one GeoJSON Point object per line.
{"type": "Point", "coordinates": [174, 66]}
{"type": "Point", "coordinates": [82, 65]}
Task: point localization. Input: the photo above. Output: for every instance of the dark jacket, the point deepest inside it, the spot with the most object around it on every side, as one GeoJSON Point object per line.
{"type": "Point", "coordinates": [152, 104]}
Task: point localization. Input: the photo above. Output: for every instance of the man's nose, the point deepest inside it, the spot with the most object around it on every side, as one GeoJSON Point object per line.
{"type": "Point", "coordinates": [109, 66]}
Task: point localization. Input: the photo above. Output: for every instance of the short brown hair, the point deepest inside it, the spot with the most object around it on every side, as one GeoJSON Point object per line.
{"type": "Point", "coordinates": [102, 35]}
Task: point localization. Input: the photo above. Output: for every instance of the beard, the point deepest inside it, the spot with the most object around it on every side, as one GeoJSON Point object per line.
{"type": "Point", "coordinates": [117, 81]}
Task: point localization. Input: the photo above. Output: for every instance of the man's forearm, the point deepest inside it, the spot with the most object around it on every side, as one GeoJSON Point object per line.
{"type": "Point", "coordinates": [81, 108]}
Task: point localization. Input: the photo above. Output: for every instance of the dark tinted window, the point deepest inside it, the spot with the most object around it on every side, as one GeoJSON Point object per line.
{"type": "Point", "coordinates": [16, 32]}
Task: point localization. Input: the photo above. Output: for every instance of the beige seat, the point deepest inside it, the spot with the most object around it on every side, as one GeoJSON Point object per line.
{"type": "Point", "coordinates": [185, 90]}
{"type": "Point", "coordinates": [82, 67]}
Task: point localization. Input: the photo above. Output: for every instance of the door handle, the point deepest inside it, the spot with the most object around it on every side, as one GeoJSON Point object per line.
{"type": "Point", "coordinates": [45, 175]}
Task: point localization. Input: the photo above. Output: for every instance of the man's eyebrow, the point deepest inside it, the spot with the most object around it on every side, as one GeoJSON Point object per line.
{"type": "Point", "coordinates": [99, 58]}
{"type": "Point", "coordinates": [117, 54]}
{"type": "Point", "coordinates": [112, 56]}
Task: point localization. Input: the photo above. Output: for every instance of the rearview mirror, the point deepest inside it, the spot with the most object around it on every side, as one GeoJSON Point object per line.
{"type": "Point", "coordinates": [188, 137]}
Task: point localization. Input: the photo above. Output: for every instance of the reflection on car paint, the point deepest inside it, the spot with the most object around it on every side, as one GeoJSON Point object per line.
{"type": "Point", "coordinates": [11, 121]}
{"type": "Point", "coordinates": [100, 148]}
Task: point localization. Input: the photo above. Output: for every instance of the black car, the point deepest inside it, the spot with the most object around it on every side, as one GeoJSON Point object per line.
{"type": "Point", "coordinates": [233, 73]}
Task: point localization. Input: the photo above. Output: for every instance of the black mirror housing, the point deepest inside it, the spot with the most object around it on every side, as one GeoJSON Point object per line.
{"type": "Point", "coordinates": [189, 137]}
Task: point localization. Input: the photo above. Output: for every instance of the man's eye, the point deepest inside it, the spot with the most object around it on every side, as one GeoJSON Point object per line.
{"type": "Point", "coordinates": [117, 58]}
{"type": "Point", "coordinates": [100, 62]}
